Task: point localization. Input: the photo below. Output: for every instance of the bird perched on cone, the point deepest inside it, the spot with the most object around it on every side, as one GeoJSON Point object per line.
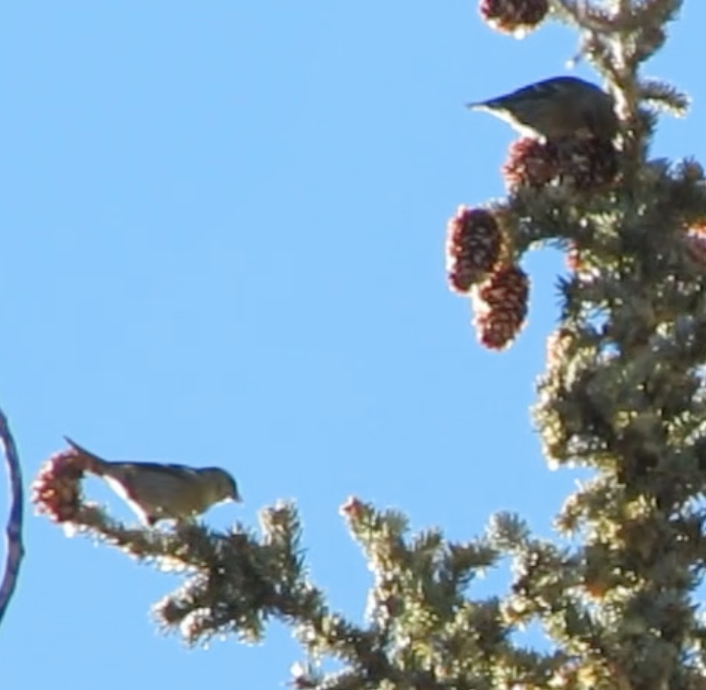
{"type": "Point", "coordinates": [157, 491]}
{"type": "Point", "coordinates": [556, 108]}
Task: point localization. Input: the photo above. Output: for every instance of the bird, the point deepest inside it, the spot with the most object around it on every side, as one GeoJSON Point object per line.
{"type": "Point", "coordinates": [159, 491]}
{"type": "Point", "coordinates": [556, 108]}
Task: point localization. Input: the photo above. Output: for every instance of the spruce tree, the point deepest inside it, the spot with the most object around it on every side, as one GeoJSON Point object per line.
{"type": "Point", "coordinates": [622, 395]}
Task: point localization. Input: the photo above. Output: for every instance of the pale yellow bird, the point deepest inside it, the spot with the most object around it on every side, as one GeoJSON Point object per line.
{"type": "Point", "coordinates": [555, 108]}
{"type": "Point", "coordinates": [160, 491]}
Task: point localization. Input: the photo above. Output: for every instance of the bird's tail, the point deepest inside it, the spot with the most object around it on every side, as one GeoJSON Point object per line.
{"type": "Point", "coordinates": [94, 464]}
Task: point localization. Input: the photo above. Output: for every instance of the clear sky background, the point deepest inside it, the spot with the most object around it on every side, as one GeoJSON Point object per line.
{"type": "Point", "coordinates": [222, 243]}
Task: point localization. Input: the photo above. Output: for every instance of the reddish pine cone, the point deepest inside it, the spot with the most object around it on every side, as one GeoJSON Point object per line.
{"type": "Point", "coordinates": [573, 258]}
{"type": "Point", "coordinates": [353, 509]}
{"type": "Point", "coordinates": [513, 16]}
{"type": "Point", "coordinates": [695, 242]}
{"type": "Point", "coordinates": [586, 165]}
{"type": "Point", "coordinates": [56, 491]}
{"type": "Point", "coordinates": [530, 163]}
{"type": "Point", "coordinates": [473, 245]}
{"type": "Point", "coordinates": [501, 307]}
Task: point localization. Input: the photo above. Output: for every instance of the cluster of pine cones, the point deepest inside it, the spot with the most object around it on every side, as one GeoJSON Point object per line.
{"type": "Point", "coordinates": [569, 128]}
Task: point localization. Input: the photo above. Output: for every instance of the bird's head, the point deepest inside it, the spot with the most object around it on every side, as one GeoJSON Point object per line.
{"type": "Point", "coordinates": [223, 486]}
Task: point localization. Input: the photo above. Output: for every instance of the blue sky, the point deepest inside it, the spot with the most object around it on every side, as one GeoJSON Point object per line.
{"type": "Point", "coordinates": [223, 232]}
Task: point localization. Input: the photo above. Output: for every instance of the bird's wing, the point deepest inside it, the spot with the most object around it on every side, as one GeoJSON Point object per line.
{"type": "Point", "coordinates": [182, 473]}
{"type": "Point", "coordinates": [547, 89]}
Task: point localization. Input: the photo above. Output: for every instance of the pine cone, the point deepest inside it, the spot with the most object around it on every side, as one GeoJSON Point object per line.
{"type": "Point", "coordinates": [513, 16]}
{"type": "Point", "coordinates": [695, 242]}
{"type": "Point", "coordinates": [530, 163]}
{"type": "Point", "coordinates": [501, 304]}
{"type": "Point", "coordinates": [586, 165]}
{"type": "Point", "coordinates": [56, 491]}
{"type": "Point", "coordinates": [573, 258]}
{"type": "Point", "coordinates": [473, 245]}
